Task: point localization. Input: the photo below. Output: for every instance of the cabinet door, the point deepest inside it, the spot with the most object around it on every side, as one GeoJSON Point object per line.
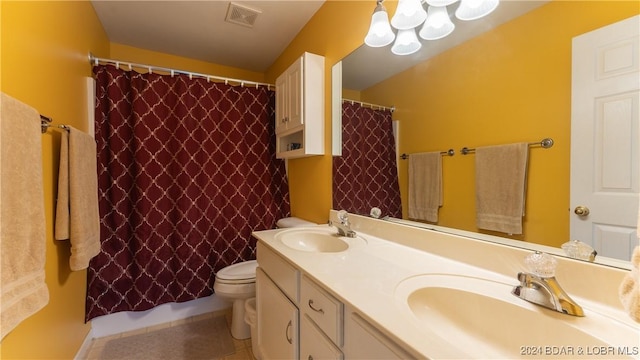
{"type": "Point", "coordinates": [278, 332]}
{"type": "Point", "coordinates": [314, 345]}
{"type": "Point", "coordinates": [282, 100]}
{"type": "Point", "coordinates": [363, 341]}
{"type": "Point", "coordinates": [296, 95]}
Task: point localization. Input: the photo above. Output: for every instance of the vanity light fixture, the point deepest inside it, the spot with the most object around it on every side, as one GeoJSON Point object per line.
{"type": "Point", "coordinates": [380, 33]}
{"type": "Point", "coordinates": [410, 14]}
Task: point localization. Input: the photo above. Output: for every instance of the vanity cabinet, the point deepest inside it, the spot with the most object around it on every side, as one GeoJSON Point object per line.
{"type": "Point", "coordinates": [300, 319]}
{"type": "Point", "coordinates": [321, 332]}
{"type": "Point", "coordinates": [365, 341]}
{"type": "Point", "coordinates": [299, 120]}
{"type": "Point", "coordinates": [278, 323]}
{"type": "Point", "coordinates": [297, 319]}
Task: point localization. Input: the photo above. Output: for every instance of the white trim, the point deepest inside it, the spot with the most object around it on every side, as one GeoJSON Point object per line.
{"type": "Point", "coordinates": [132, 320]}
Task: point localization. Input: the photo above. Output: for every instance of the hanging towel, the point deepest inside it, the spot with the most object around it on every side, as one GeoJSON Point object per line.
{"type": "Point", "coordinates": [630, 288]}
{"type": "Point", "coordinates": [77, 216]}
{"type": "Point", "coordinates": [425, 186]}
{"type": "Point", "coordinates": [23, 291]}
{"type": "Point", "coordinates": [501, 177]}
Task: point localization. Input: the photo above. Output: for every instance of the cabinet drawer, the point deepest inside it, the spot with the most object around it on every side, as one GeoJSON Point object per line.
{"type": "Point", "coordinates": [314, 345]}
{"type": "Point", "coordinates": [325, 310]}
{"type": "Point", "coordinates": [283, 274]}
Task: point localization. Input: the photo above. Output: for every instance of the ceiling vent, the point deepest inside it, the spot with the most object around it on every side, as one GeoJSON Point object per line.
{"type": "Point", "coordinates": [242, 15]}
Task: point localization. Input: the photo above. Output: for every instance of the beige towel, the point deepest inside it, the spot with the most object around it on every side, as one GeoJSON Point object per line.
{"type": "Point", "coordinates": [77, 216]}
{"type": "Point", "coordinates": [629, 290]}
{"type": "Point", "coordinates": [501, 176]}
{"type": "Point", "coordinates": [425, 186]}
{"type": "Point", "coordinates": [22, 219]}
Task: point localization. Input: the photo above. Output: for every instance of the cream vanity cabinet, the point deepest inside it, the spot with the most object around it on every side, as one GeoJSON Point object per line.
{"type": "Point", "coordinates": [300, 108]}
{"type": "Point", "coordinates": [299, 319]}
{"type": "Point", "coordinates": [365, 341]}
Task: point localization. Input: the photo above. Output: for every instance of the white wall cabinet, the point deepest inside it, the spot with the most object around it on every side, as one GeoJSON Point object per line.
{"type": "Point", "coordinates": [300, 108]}
{"type": "Point", "coordinates": [300, 319]}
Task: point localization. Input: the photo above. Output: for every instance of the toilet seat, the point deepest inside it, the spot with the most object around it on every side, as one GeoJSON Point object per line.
{"type": "Point", "coordinates": [240, 273]}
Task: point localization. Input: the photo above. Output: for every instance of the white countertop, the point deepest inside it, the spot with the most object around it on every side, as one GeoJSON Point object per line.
{"type": "Point", "coordinates": [366, 275]}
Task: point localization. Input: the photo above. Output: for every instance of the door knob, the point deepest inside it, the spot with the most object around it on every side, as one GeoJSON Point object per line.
{"type": "Point", "coordinates": [581, 210]}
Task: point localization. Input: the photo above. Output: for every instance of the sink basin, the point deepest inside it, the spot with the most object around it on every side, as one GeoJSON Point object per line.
{"type": "Point", "coordinates": [483, 318]}
{"type": "Point", "coordinates": [317, 240]}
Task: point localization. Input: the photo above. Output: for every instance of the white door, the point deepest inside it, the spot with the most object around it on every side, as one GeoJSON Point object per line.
{"type": "Point", "coordinates": [604, 138]}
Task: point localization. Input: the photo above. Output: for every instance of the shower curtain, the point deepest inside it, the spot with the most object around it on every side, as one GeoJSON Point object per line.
{"type": "Point", "coordinates": [186, 171]}
{"type": "Point", "coordinates": [366, 174]}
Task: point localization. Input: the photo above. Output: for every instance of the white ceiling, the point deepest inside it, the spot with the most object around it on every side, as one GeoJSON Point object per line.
{"type": "Point", "coordinates": [198, 30]}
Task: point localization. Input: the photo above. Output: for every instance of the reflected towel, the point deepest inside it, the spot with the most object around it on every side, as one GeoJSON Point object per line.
{"type": "Point", "coordinates": [425, 186]}
{"type": "Point", "coordinates": [77, 216]}
{"type": "Point", "coordinates": [501, 176]}
{"type": "Point", "coordinates": [629, 290]}
{"type": "Point", "coordinates": [22, 218]}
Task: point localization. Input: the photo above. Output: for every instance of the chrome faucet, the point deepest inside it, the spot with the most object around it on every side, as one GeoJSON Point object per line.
{"type": "Point", "coordinates": [344, 228]}
{"type": "Point", "coordinates": [540, 287]}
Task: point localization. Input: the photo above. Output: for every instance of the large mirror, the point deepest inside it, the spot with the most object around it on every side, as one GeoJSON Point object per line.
{"type": "Point", "coordinates": [502, 80]}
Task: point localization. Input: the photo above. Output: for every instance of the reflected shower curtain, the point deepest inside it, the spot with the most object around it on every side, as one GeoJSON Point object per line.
{"type": "Point", "coordinates": [186, 171]}
{"type": "Point", "coordinates": [366, 174]}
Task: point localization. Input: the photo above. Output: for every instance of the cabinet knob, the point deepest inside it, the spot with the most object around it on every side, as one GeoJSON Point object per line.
{"type": "Point", "coordinates": [310, 357]}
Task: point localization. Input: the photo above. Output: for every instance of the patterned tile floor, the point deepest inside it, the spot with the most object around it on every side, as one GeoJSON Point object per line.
{"type": "Point", "coordinates": [242, 347]}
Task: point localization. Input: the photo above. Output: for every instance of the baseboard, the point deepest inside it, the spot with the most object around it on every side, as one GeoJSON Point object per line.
{"type": "Point", "coordinates": [84, 348]}
{"type": "Point", "coordinates": [129, 320]}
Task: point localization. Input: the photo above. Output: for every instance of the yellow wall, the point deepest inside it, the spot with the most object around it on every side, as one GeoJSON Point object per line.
{"type": "Point", "coordinates": [335, 30]}
{"type": "Point", "coordinates": [44, 61]}
{"type": "Point", "coordinates": [510, 85]}
{"type": "Point", "coordinates": [148, 57]}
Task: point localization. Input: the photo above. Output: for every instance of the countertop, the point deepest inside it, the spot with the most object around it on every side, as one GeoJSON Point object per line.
{"type": "Point", "coordinates": [365, 278]}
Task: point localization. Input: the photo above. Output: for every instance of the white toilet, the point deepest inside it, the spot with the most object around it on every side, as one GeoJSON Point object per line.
{"type": "Point", "coordinates": [237, 283]}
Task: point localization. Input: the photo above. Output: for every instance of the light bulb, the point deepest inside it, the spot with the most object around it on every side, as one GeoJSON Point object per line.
{"type": "Point", "coordinates": [475, 9]}
{"type": "Point", "coordinates": [406, 42]}
{"type": "Point", "coordinates": [438, 24]}
{"type": "Point", "coordinates": [409, 14]}
{"type": "Point", "coordinates": [380, 33]}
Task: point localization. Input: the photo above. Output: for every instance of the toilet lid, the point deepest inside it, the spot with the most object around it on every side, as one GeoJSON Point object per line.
{"type": "Point", "coordinates": [240, 271]}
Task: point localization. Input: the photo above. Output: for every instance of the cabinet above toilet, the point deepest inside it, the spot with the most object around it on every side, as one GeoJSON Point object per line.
{"type": "Point", "coordinates": [300, 108]}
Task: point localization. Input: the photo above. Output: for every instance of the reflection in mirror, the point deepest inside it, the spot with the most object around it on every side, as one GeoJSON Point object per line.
{"type": "Point", "coordinates": [509, 81]}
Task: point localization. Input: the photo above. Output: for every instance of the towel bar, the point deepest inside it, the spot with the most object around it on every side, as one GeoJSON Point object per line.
{"type": "Point", "coordinates": [544, 143]}
{"type": "Point", "coordinates": [449, 152]}
{"type": "Point", "coordinates": [45, 123]}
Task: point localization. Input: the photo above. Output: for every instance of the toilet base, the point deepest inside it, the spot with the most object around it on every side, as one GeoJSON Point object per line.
{"type": "Point", "coordinates": [240, 330]}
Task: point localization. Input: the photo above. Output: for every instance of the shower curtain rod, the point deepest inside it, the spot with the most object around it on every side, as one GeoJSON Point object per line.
{"type": "Point", "coordinates": [151, 68]}
{"type": "Point", "coordinates": [373, 106]}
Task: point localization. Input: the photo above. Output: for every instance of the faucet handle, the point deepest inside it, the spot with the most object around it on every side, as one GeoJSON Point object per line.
{"type": "Point", "coordinates": [578, 250]}
{"type": "Point", "coordinates": [343, 216]}
{"type": "Point", "coordinates": [541, 264]}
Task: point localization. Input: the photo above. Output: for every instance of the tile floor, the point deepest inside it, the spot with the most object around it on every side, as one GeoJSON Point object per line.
{"type": "Point", "coordinates": [243, 347]}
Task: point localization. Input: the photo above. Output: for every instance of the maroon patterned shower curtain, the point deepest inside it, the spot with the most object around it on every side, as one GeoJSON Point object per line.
{"type": "Point", "coordinates": [186, 171]}
{"type": "Point", "coordinates": [366, 175]}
